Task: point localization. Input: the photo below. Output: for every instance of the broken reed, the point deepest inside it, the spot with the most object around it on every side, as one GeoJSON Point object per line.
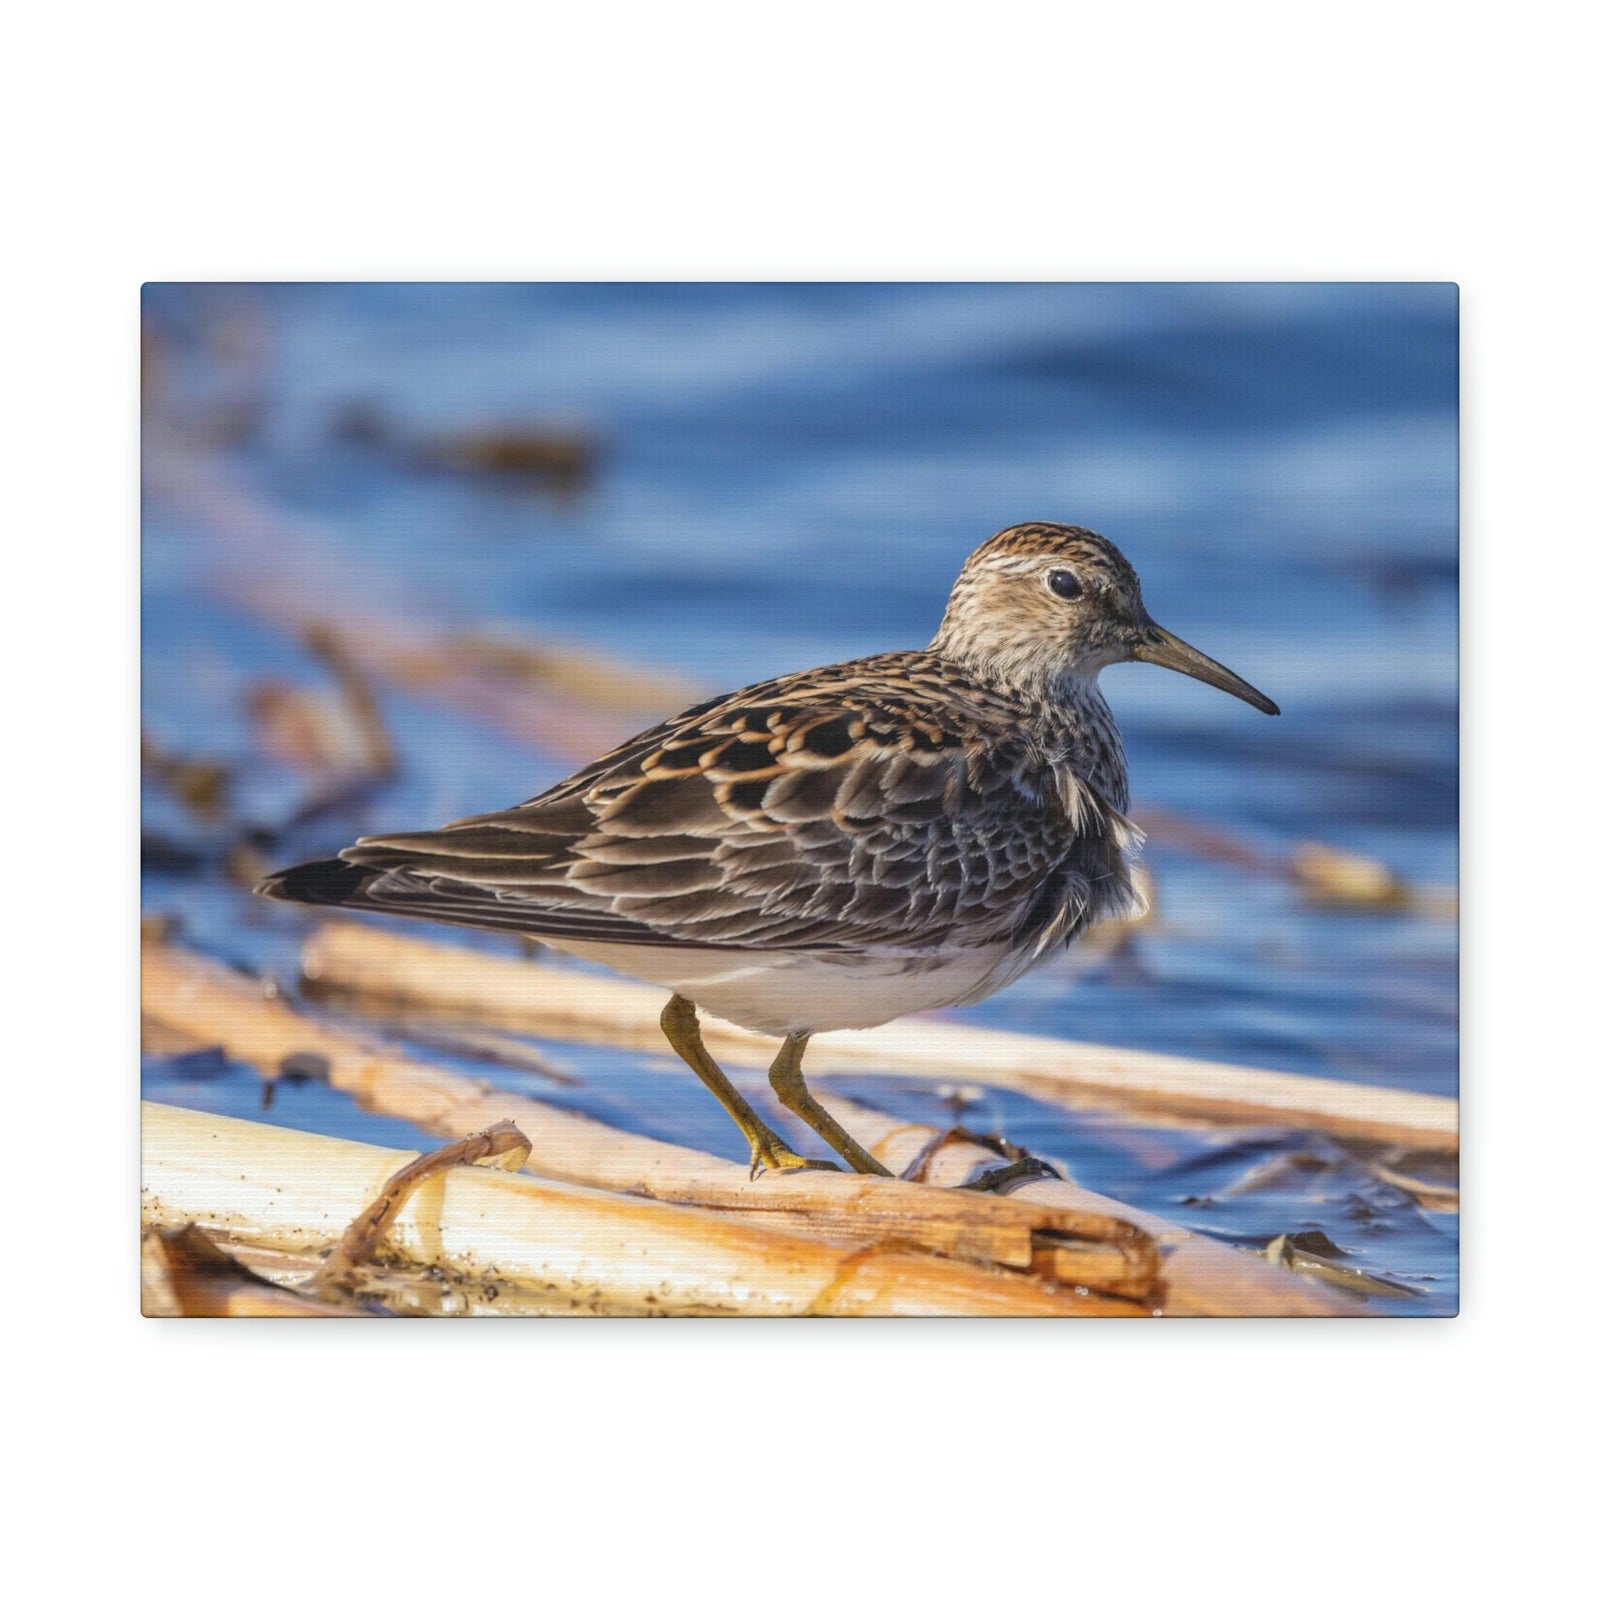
{"type": "Point", "coordinates": [189, 995]}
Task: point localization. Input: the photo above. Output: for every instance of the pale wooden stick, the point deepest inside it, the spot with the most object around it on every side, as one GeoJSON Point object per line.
{"type": "Point", "coordinates": [205, 1000]}
{"type": "Point", "coordinates": [293, 1190]}
{"type": "Point", "coordinates": [574, 1005]}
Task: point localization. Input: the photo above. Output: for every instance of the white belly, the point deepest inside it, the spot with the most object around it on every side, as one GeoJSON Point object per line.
{"type": "Point", "coordinates": [781, 992]}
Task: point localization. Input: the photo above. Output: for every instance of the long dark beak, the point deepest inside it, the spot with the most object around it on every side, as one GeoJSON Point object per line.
{"type": "Point", "coordinates": [1168, 650]}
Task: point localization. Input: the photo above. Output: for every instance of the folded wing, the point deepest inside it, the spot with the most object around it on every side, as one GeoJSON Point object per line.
{"type": "Point", "coordinates": [799, 815]}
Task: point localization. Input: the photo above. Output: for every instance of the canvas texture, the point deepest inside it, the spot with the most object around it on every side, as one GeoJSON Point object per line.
{"type": "Point", "coordinates": [800, 799]}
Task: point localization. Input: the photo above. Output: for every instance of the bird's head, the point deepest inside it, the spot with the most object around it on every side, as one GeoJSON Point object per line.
{"type": "Point", "coordinates": [1042, 602]}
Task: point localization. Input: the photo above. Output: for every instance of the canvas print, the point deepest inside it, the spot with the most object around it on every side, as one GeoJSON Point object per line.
{"type": "Point", "coordinates": [799, 799]}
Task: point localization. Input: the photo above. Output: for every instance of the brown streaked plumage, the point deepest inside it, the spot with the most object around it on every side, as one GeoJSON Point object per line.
{"type": "Point", "coordinates": [834, 848]}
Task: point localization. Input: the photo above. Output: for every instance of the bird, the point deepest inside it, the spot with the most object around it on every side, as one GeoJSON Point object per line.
{"type": "Point", "coordinates": [835, 848]}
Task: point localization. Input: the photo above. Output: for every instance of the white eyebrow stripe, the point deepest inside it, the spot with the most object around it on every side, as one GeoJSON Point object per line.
{"type": "Point", "coordinates": [1010, 563]}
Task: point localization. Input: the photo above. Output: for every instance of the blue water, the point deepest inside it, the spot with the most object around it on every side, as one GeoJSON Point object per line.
{"type": "Point", "coordinates": [790, 474]}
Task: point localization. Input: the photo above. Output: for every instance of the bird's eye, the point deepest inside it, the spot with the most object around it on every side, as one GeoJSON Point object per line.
{"type": "Point", "coordinates": [1064, 582]}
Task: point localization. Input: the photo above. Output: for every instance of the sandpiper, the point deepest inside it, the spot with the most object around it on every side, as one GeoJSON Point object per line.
{"type": "Point", "coordinates": [836, 848]}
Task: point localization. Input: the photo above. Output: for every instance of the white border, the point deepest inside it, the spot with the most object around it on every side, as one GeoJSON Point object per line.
{"type": "Point", "coordinates": [1372, 141]}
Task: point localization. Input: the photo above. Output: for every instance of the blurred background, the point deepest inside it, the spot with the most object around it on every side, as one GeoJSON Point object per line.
{"type": "Point", "coordinates": [415, 551]}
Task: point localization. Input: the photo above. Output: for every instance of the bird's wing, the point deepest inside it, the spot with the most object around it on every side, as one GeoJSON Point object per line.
{"type": "Point", "coordinates": [837, 810]}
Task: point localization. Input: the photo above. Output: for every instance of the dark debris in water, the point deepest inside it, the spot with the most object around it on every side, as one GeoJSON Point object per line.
{"type": "Point", "coordinates": [1326, 1207]}
{"type": "Point", "coordinates": [303, 1066]}
{"type": "Point", "coordinates": [198, 1066]}
{"type": "Point", "coordinates": [202, 784]}
{"type": "Point", "coordinates": [1285, 1252]}
{"type": "Point", "coordinates": [341, 744]}
{"type": "Point", "coordinates": [562, 460]}
{"type": "Point", "coordinates": [1383, 1229]}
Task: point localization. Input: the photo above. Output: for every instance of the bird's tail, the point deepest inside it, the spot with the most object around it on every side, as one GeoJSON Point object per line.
{"type": "Point", "coordinates": [320, 883]}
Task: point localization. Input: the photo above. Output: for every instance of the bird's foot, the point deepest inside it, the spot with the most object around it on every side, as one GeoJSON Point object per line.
{"type": "Point", "coordinates": [999, 1179]}
{"type": "Point", "coordinates": [773, 1155]}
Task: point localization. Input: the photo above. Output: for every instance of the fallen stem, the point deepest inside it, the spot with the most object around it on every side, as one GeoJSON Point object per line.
{"type": "Point", "coordinates": [205, 1000]}
{"type": "Point", "coordinates": [361, 1239]}
{"type": "Point", "coordinates": [449, 980]}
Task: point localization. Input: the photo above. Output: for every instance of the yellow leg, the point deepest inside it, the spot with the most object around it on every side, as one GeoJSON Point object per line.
{"type": "Point", "coordinates": [767, 1150]}
{"type": "Point", "coordinates": [791, 1089]}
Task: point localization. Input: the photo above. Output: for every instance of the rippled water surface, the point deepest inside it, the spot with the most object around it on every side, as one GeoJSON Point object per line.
{"type": "Point", "coordinates": [787, 475]}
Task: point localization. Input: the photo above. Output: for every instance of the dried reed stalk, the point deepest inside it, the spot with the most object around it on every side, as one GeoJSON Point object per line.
{"type": "Point", "coordinates": [185, 993]}
{"type": "Point", "coordinates": [593, 1249]}
{"type": "Point", "coordinates": [201, 1000]}
{"type": "Point", "coordinates": [450, 980]}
